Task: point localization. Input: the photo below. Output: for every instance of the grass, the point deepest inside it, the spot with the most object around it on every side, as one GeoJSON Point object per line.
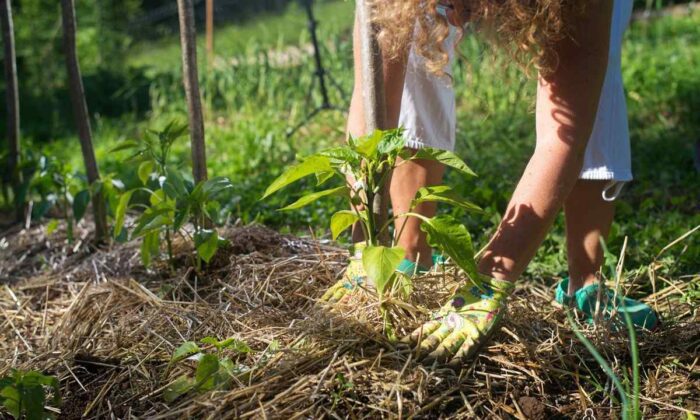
{"type": "Point", "coordinates": [264, 32]}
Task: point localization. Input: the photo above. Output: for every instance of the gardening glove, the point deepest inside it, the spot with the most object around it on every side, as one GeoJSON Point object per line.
{"type": "Point", "coordinates": [355, 276]}
{"type": "Point", "coordinates": [612, 307]}
{"type": "Point", "coordinates": [462, 326]}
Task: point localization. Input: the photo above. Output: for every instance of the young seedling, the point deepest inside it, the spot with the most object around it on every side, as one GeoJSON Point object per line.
{"type": "Point", "coordinates": [172, 201]}
{"type": "Point", "coordinates": [363, 168]}
{"type": "Point", "coordinates": [24, 394]}
{"type": "Point", "coordinates": [214, 371]}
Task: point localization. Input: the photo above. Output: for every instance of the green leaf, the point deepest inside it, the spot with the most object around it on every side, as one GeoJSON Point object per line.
{"type": "Point", "coordinates": [452, 238]}
{"type": "Point", "coordinates": [444, 194]}
{"type": "Point", "coordinates": [182, 212]}
{"type": "Point", "coordinates": [120, 213]}
{"type": "Point", "coordinates": [157, 197]}
{"type": "Point", "coordinates": [380, 264]}
{"type": "Point", "coordinates": [392, 141]}
{"type": "Point", "coordinates": [368, 146]}
{"type": "Point", "coordinates": [207, 367]}
{"type": "Point", "coordinates": [51, 227]}
{"type": "Point", "coordinates": [33, 400]}
{"type": "Point", "coordinates": [341, 221]}
{"type": "Point", "coordinates": [178, 388]}
{"type": "Point", "coordinates": [80, 203]}
{"type": "Point", "coordinates": [445, 157]}
{"type": "Point", "coordinates": [186, 349]}
{"type": "Point", "coordinates": [215, 186]}
{"type": "Point", "coordinates": [310, 198]}
{"type": "Point", "coordinates": [10, 398]}
{"type": "Point", "coordinates": [152, 219]}
{"type": "Point", "coordinates": [150, 246]}
{"type": "Point", "coordinates": [235, 345]}
{"type": "Point", "coordinates": [130, 144]}
{"type": "Point", "coordinates": [145, 170]}
{"type": "Point", "coordinates": [174, 186]}
{"type": "Point", "coordinates": [207, 243]}
{"type": "Point", "coordinates": [312, 165]}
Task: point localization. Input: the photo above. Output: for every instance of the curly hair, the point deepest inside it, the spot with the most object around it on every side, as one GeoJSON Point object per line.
{"type": "Point", "coordinates": [527, 29]}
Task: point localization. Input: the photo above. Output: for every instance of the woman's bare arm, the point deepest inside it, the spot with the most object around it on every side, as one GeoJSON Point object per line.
{"type": "Point", "coordinates": [567, 104]}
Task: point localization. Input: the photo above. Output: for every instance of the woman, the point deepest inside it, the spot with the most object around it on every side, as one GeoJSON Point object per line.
{"type": "Point", "coordinates": [580, 162]}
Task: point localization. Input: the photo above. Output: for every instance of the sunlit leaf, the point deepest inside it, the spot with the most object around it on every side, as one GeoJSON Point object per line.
{"type": "Point", "coordinates": [51, 226]}
{"type": "Point", "coordinates": [145, 170]}
{"type": "Point", "coordinates": [368, 146]}
{"type": "Point", "coordinates": [120, 213]}
{"type": "Point", "coordinates": [341, 221]}
{"type": "Point", "coordinates": [452, 238]}
{"type": "Point", "coordinates": [311, 165]}
{"type": "Point", "coordinates": [380, 264]}
{"type": "Point", "coordinates": [392, 141]}
{"type": "Point", "coordinates": [186, 349]}
{"type": "Point", "coordinates": [445, 157]}
{"type": "Point", "coordinates": [311, 198]}
{"type": "Point", "coordinates": [444, 194]}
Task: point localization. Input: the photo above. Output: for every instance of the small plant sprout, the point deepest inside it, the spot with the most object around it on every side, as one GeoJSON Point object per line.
{"type": "Point", "coordinates": [25, 394]}
{"type": "Point", "coordinates": [363, 167]}
{"type": "Point", "coordinates": [213, 371]}
{"type": "Point", "coordinates": [173, 201]}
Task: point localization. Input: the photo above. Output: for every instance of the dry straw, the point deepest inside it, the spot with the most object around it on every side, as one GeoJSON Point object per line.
{"type": "Point", "coordinates": [106, 328]}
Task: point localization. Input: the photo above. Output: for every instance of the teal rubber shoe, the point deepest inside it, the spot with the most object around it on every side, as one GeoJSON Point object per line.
{"type": "Point", "coordinates": [410, 268]}
{"type": "Point", "coordinates": [585, 299]}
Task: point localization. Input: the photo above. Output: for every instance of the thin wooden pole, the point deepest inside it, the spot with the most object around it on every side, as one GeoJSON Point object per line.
{"type": "Point", "coordinates": [374, 101]}
{"type": "Point", "coordinates": [82, 119]}
{"type": "Point", "coordinates": [12, 99]}
{"type": "Point", "coordinates": [372, 70]}
{"type": "Point", "coordinates": [188, 44]}
{"type": "Point", "coordinates": [210, 30]}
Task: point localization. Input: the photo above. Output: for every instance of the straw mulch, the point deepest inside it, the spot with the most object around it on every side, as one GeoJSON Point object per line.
{"type": "Point", "coordinates": [106, 327]}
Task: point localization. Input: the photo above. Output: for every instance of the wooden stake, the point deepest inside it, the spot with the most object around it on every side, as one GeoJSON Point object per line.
{"type": "Point", "coordinates": [374, 100]}
{"type": "Point", "coordinates": [82, 119]}
{"type": "Point", "coordinates": [12, 98]}
{"type": "Point", "coordinates": [188, 44]}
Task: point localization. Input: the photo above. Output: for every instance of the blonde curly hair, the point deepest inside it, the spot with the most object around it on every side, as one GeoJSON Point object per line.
{"type": "Point", "coordinates": [527, 29]}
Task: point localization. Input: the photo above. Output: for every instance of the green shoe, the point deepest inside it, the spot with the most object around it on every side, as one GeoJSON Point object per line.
{"type": "Point", "coordinates": [462, 326]}
{"type": "Point", "coordinates": [586, 298]}
{"type": "Point", "coordinates": [411, 269]}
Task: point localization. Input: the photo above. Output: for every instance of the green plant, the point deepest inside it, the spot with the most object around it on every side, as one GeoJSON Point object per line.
{"type": "Point", "coordinates": [172, 200]}
{"type": "Point", "coordinates": [24, 394]}
{"type": "Point", "coordinates": [213, 371]}
{"type": "Point", "coordinates": [364, 166]}
{"type": "Point", "coordinates": [629, 394]}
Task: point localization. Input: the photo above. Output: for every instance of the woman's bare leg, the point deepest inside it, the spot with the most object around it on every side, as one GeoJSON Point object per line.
{"type": "Point", "coordinates": [588, 219]}
{"type": "Point", "coordinates": [407, 179]}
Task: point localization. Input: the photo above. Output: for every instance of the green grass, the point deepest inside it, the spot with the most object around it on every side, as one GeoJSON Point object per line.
{"type": "Point", "coordinates": [264, 32]}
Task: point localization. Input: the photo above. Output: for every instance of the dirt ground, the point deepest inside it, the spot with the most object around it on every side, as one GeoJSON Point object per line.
{"type": "Point", "coordinates": [107, 327]}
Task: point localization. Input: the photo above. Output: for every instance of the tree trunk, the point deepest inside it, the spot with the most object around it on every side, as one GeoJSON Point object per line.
{"type": "Point", "coordinates": [12, 96]}
{"type": "Point", "coordinates": [374, 99]}
{"type": "Point", "coordinates": [82, 119]}
{"type": "Point", "coordinates": [188, 43]}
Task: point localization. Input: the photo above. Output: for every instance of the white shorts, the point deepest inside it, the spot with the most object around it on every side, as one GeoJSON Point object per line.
{"type": "Point", "coordinates": [429, 118]}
